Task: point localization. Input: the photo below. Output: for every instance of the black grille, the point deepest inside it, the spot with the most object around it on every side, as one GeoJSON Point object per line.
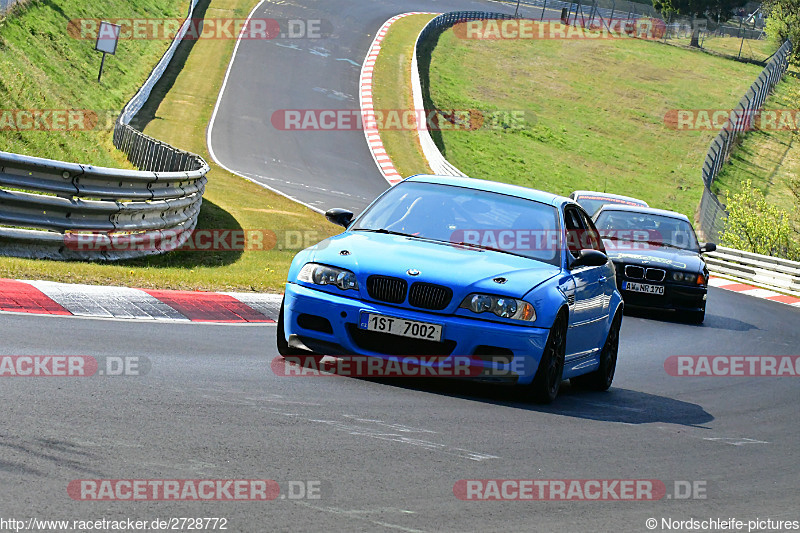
{"type": "Point", "coordinates": [374, 341]}
{"type": "Point", "coordinates": [655, 274]}
{"type": "Point", "coordinates": [494, 354]}
{"type": "Point", "coordinates": [429, 296]}
{"type": "Point", "coordinates": [386, 289]}
{"type": "Point", "coordinates": [635, 272]}
{"type": "Point", "coordinates": [314, 323]}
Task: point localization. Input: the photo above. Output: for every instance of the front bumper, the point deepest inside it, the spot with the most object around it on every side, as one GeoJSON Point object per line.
{"type": "Point", "coordinates": [679, 297]}
{"type": "Point", "coordinates": [520, 347]}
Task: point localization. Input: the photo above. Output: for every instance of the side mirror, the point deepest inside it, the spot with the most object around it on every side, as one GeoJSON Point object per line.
{"type": "Point", "coordinates": [340, 217]}
{"type": "Point", "coordinates": [592, 258]}
{"type": "Point", "coordinates": [708, 247]}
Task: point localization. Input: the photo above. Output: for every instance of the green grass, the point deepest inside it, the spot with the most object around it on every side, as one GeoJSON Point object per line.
{"type": "Point", "coordinates": [595, 113]}
{"type": "Point", "coordinates": [392, 91]}
{"type": "Point", "coordinates": [178, 112]}
{"type": "Point", "coordinates": [769, 158]}
{"type": "Point", "coordinates": [43, 67]}
{"type": "Point", "coordinates": [756, 50]}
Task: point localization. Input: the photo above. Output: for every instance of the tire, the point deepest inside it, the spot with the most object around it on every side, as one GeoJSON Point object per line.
{"type": "Point", "coordinates": [547, 380]}
{"type": "Point", "coordinates": [601, 379]}
{"type": "Point", "coordinates": [301, 356]}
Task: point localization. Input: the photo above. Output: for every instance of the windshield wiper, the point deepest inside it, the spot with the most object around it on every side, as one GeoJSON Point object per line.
{"type": "Point", "coordinates": [668, 244]}
{"type": "Point", "coordinates": [384, 231]}
{"type": "Point", "coordinates": [482, 247]}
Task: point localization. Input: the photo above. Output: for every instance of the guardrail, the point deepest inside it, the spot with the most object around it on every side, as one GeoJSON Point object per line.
{"type": "Point", "coordinates": [712, 213]}
{"type": "Point", "coordinates": [60, 210]}
{"type": "Point", "coordinates": [762, 270]}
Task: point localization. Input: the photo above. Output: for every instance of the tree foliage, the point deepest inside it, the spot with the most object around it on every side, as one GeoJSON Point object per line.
{"type": "Point", "coordinates": [783, 22]}
{"type": "Point", "coordinates": [756, 226]}
{"type": "Point", "coordinates": [700, 8]}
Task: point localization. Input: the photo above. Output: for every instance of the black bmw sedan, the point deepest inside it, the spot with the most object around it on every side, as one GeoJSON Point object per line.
{"type": "Point", "coordinates": [657, 259]}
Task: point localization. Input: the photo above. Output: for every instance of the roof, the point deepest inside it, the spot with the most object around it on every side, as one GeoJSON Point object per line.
{"type": "Point", "coordinates": [492, 186]}
{"type": "Point", "coordinates": [605, 195]}
{"type": "Point", "coordinates": [642, 210]}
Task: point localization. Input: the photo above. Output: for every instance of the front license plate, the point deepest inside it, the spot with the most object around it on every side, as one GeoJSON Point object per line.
{"type": "Point", "coordinates": [643, 287]}
{"type": "Point", "coordinates": [401, 327]}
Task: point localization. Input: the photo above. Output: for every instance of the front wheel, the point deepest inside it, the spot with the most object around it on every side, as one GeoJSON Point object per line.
{"type": "Point", "coordinates": [601, 379]}
{"type": "Point", "coordinates": [301, 356]}
{"type": "Point", "coordinates": [547, 380]}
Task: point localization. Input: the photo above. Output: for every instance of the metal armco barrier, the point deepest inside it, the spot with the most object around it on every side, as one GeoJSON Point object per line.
{"type": "Point", "coordinates": [58, 210]}
{"type": "Point", "coordinates": [762, 270]}
{"type": "Point", "coordinates": [712, 212]}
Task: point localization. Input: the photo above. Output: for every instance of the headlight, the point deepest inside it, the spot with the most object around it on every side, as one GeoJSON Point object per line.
{"type": "Point", "coordinates": [325, 275]}
{"type": "Point", "coordinates": [501, 306]}
{"type": "Point", "coordinates": [684, 277]}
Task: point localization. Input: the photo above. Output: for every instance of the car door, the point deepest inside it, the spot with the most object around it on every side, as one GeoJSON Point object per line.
{"type": "Point", "coordinates": [605, 279]}
{"type": "Point", "coordinates": [590, 307]}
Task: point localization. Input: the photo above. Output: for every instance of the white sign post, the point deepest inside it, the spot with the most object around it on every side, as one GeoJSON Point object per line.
{"type": "Point", "coordinates": [107, 39]}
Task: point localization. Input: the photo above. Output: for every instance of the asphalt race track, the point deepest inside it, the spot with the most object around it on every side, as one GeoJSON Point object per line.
{"type": "Point", "coordinates": [386, 454]}
{"type": "Point", "coordinates": [323, 169]}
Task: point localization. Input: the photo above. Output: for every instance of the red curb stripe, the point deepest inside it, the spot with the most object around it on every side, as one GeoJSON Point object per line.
{"type": "Point", "coordinates": [738, 287]}
{"type": "Point", "coordinates": [209, 306]}
{"type": "Point", "coordinates": [784, 298]}
{"type": "Point", "coordinates": [373, 135]}
{"type": "Point", "coordinates": [21, 297]}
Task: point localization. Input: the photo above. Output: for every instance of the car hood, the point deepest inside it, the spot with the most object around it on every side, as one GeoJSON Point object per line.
{"type": "Point", "coordinates": [463, 269]}
{"type": "Point", "coordinates": [664, 257]}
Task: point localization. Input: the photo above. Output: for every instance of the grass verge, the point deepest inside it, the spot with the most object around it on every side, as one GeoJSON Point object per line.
{"type": "Point", "coordinates": [46, 66]}
{"type": "Point", "coordinates": [769, 158]}
{"type": "Point", "coordinates": [392, 91]}
{"type": "Point", "coordinates": [751, 49]}
{"type": "Point", "coordinates": [178, 113]}
{"type": "Point", "coordinates": [598, 109]}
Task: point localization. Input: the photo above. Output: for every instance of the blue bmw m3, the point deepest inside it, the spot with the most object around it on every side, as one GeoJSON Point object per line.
{"type": "Point", "coordinates": [515, 279]}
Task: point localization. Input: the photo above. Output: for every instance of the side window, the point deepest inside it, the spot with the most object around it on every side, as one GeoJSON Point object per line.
{"type": "Point", "coordinates": [574, 227]}
{"type": "Point", "coordinates": [591, 238]}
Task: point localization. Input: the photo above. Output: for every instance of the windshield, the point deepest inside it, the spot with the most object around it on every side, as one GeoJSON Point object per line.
{"type": "Point", "coordinates": [656, 229]}
{"type": "Point", "coordinates": [468, 217]}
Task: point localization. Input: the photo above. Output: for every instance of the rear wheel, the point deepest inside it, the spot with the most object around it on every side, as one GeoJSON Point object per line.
{"type": "Point", "coordinates": [295, 354]}
{"type": "Point", "coordinates": [602, 378]}
{"type": "Point", "coordinates": [547, 380]}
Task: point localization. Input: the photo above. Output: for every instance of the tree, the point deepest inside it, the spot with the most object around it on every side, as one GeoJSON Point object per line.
{"type": "Point", "coordinates": [715, 9]}
{"type": "Point", "coordinates": [755, 226]}
{"type": "Point", "coordinates": [783, 22]}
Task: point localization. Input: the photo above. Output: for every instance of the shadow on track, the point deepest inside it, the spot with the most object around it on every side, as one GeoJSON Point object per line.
{"type": "Point", "coordinates": [615, 405]}
{"type": "Point", "coordinates": [711, 321]}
